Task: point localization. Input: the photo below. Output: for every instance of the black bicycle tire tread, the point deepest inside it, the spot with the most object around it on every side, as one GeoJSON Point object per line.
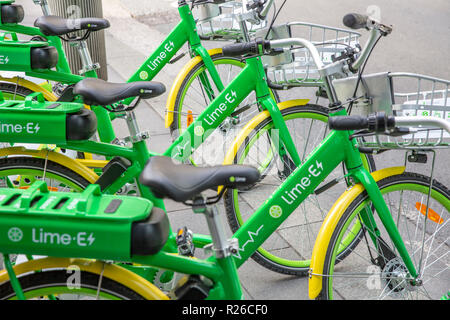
{"type": "Point", "coordinates": [12, 88]}
{"type": "Point", "coordinates": [38, 164]}
{"type": "Point", "coordinates": [57, 277]}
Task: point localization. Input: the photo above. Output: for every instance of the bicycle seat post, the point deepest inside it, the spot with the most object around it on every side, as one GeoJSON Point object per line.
{"type": "Point", "coordinates": [133, 127]}
{"type": "Point", "coordinates": [85, 56]}
{"type": "Point", "coordinates": [44, 6]}
{"type": "Point", "coordinates": [222, 247]}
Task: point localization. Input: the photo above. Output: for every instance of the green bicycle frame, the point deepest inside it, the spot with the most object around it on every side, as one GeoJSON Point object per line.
{"type": "Point", "coordinates": [335, 149]}
{"type": "Point", "coordinates": [139, 154]}
{"type": "Point", "coordinates": [85, 228]}
{"type": "Point", "coordinates": [220, 108]}
{"type": "Point", "coordinates": [184, 32]}
{"type": "Point", "coordinates": [251, 78]}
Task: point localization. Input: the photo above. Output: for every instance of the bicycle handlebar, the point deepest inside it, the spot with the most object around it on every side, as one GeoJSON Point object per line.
{"type": "Point", "coordinates": [424, 121]}
{"type": "Point", "coordinates": [239, 49]}
{"type": "Point", "coordinates": [355, 21]}
{"type": "Point", "coordinates": [377, 122]}
{"type": "Point", "coordinates": [380, 122]}
{"type": "Point", "coordinates": [351, 20]}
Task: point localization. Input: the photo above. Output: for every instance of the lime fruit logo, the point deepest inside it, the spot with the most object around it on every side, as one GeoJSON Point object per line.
{"type": "Point", "coordinates": [199, 131]}
{"type": "Point", "coordinates": [15, 234]}
{"type": "Point", "coordinates": [275, 211]}
{"type": "Point", "coordinates": [143, 75]}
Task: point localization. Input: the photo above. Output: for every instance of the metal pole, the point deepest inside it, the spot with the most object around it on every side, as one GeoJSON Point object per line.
{"type": "Point", "coordinates": [72, 9]}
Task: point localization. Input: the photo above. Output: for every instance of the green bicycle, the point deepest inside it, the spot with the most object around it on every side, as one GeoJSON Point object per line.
{"type": "Point", "coordinates": [90, 226]}
{"type": "Point", "coordinates": [167, 179]}
{"type": "Point", "coordinates": [128, 162]}
{"type": "Point", "coordinates": [404, 253]}
{"type": "Point", "coordinates": [210, 68]}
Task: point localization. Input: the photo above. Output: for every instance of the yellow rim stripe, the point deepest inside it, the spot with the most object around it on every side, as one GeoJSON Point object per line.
{"type": "Point", "coordinates": [114, 272]}
{"type": "Point", "coordinates": [91, 163]}
{"type": "Point", "coordinates": [32, 86]}
{"type": "Point", "coordinates": [65, 161]}
{"type": "Point", "coordinates": [330, 223]}
{"type": "Point", "coordinates": [170, 105]}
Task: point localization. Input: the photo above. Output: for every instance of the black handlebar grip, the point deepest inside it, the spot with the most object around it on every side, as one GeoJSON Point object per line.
{"type": "Point", "coordinates": [239, 49]}
{"type": "Point", "coordinates": [355, 20]}
{"type": "Point", "coordinates": [348, 123]}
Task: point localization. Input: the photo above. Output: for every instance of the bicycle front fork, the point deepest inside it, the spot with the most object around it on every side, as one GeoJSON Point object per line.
{"type": "Point", "coordinates": [386, 218]}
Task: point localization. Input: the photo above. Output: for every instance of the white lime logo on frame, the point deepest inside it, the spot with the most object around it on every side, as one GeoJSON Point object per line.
{"type": "Point", "coordinates": [15, 234]}
{"type": "Point", "coordinates": [199, 131]}
{"type": "Point", "coordinates": [275, 211]}
{"type": "Point", "coordinates": [143, 75]}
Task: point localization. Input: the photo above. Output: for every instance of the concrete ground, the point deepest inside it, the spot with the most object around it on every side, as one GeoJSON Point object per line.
{"type": "Point", "coordinates": [420, 43]}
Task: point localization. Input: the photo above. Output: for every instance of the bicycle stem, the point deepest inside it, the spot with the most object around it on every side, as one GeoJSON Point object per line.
{"type": "Point", "coordinates": [265, 10]}
{"type": "Point", "coordinates": [44, 6]}
{"type": "Point", "coordinates": [374, 34]}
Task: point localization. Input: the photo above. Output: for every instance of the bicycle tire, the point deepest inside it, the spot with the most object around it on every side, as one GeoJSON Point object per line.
{"type": "Point", "coordinates": [12, 91]}
{"type": "Point", "coordinates": [393, 287]}
{"type": "Point", "coordinates": [23, 167]}
{"type": "Point", "coordinates": [58, 283]}
{"type": "Point", "coordinates": [283, 265]}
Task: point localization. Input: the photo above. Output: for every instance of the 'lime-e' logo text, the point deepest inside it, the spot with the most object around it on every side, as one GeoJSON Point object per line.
{"type": "Point", "coordinates": [168, 47]}
{"type": "Point", "coordinates": [294, 193]}
{"type": "Point", "coordinates": [4, 59]}
{"type": "Point", "coordinates": [230, 97]}
{"type": "Point", "coordinates": [81, 239]}
{"type": "Point", "coordinates": [30, 128]}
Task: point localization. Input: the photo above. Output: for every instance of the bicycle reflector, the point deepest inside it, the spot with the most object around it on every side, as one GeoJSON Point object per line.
{"type": "Point", "coordinates": [432, 215]}
{"type": "Point", "coordinates": [190, 118]}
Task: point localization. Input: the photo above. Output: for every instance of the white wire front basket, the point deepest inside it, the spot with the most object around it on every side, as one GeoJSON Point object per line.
{"type": "Point", "coordinates": [400, 94]}
{"type": "Point", "coordinates": [219, 20]}
{"type": "Point", "coordinates": [295, 66]}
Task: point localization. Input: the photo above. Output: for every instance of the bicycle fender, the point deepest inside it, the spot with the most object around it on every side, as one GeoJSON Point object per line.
{"type": "Point", "coordinates": [112, 271]}
{"type": "Point", "coordinates": [49, 96]}
{"type": "Point", "coordinates": [170, 105]}
{"type": "Point", "coordinates": [330, 223]}
{"type": "Point", "coordinates": [59, 158]}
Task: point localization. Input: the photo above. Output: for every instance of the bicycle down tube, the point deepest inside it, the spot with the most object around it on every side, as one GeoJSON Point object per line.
{"type": "Point", "coordinates": [222, 107]}
{"type": "Point", "coordinates": [251, 78]}
{"type": "Point", "coordinates": [335, 149]}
